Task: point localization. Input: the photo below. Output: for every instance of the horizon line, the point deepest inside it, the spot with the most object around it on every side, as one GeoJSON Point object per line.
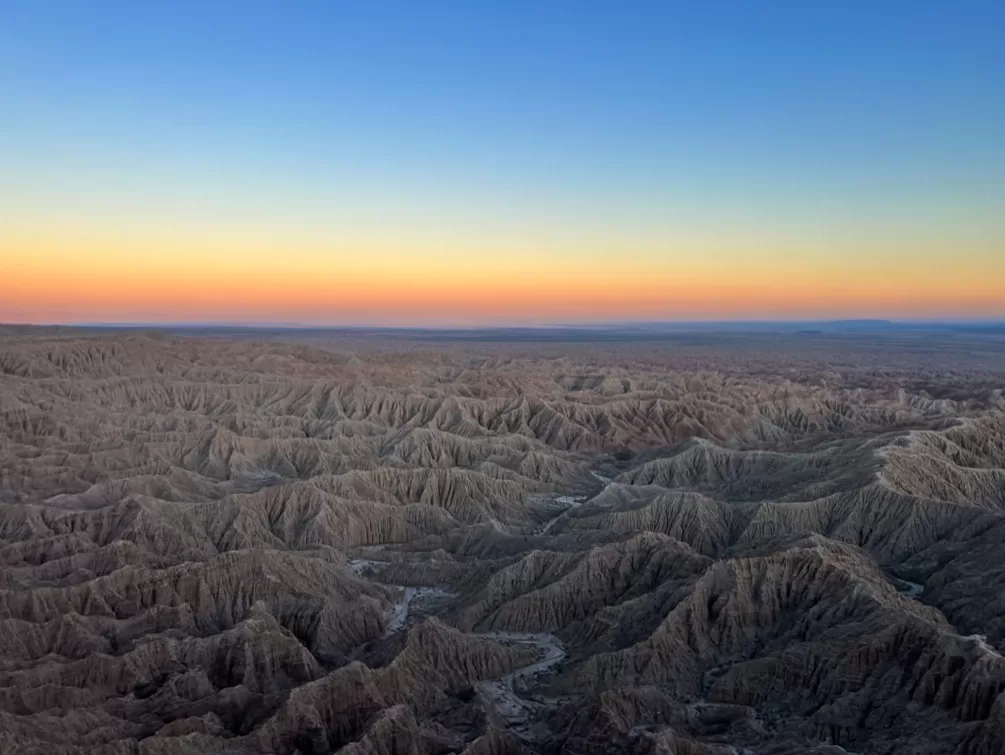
{"type": "Point", "coordinates": [582, 324]}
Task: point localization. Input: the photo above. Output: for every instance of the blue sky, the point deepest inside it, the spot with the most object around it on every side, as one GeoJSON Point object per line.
{"type": "Point", "coordinates": [643, 124]}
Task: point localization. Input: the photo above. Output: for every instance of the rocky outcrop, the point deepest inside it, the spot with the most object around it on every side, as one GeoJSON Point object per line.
{"type": "Point", "coordinates": [236, 547]}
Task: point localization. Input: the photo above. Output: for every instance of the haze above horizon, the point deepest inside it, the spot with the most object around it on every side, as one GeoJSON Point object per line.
{"type": "Point", "coordinates": [446, 164]}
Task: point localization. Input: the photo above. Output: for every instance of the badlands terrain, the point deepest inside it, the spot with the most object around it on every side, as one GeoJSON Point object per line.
{"type": "Point", "coordinates": [367, 544]}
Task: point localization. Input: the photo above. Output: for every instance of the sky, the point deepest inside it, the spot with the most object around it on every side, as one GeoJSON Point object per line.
{"type": "Point", "coordinates": [477, 163]}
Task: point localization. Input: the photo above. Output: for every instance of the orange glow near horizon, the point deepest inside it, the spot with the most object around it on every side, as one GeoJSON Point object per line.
{"type": "Point", "coordinates": [103, 278]}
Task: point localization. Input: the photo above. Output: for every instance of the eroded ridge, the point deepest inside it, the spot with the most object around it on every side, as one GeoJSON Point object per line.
{"type": "Point", "coordinates": [239, 546]}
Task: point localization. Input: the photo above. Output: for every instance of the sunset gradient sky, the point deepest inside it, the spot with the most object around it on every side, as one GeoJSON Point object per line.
{"type": "Point", "coordinates": [493, 163]}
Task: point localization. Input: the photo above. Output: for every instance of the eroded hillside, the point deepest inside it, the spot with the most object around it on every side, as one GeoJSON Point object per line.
{"type": "Point", "coordinates": [236, 546]}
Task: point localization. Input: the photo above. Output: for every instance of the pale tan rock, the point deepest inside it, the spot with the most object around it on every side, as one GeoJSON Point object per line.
{"type": "Point", "coordinates": [240, 546]}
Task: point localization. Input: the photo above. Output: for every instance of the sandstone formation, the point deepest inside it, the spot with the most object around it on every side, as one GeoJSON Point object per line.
{"type": "Point", "coordinates": [229, 545]}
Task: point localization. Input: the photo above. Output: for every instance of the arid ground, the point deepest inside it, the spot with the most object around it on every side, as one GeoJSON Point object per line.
{"type": "Point", "coordinates": [379, 544]}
